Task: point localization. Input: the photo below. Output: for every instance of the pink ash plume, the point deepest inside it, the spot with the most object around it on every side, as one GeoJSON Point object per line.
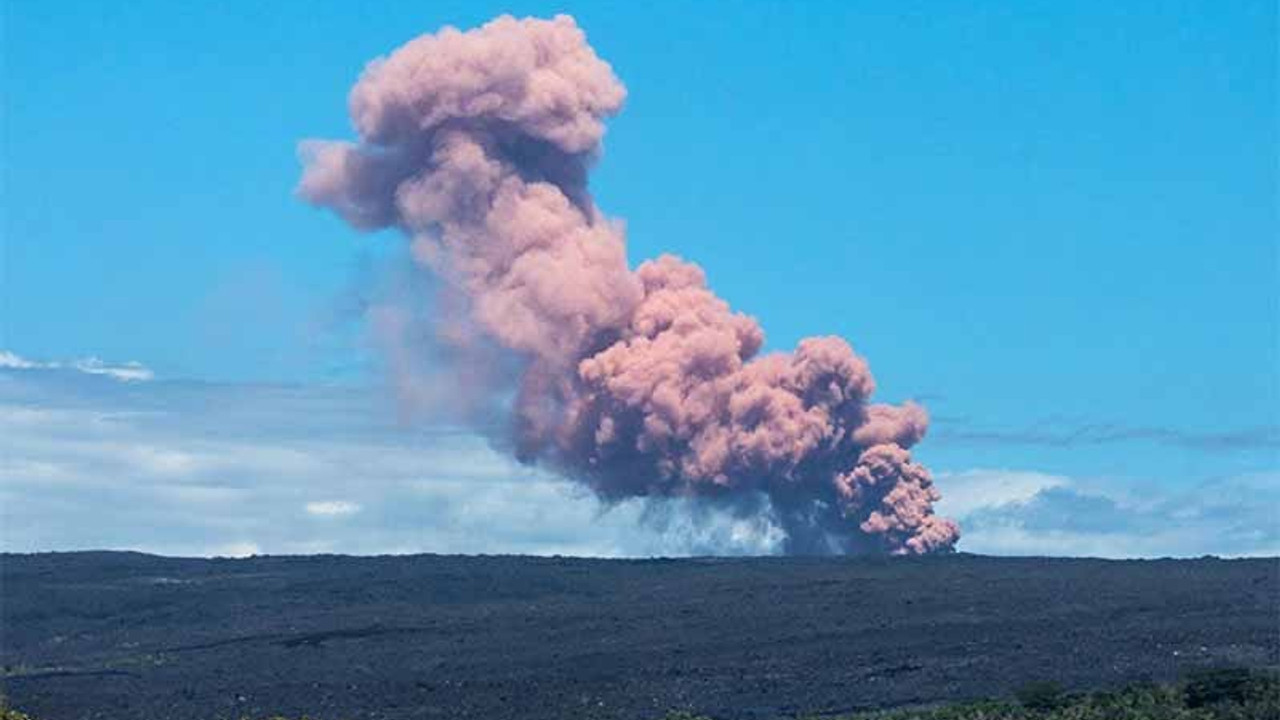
{"type": "Point", "coordinates": [638, 383]}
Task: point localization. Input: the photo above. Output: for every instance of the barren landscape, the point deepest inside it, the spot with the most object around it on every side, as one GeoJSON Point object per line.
{"type": "Point", "coordinates": [115, 635]}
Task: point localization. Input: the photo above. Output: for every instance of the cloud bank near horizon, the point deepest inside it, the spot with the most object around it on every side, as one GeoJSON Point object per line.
{"type": "Point", "coordinates": [93, 460]}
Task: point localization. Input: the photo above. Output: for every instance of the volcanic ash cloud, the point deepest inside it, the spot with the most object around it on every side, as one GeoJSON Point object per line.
{"type": "Point", "coordinates": [637, 383]}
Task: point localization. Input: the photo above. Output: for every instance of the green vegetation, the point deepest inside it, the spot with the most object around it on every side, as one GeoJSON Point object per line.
{"type": "Point", "coordinates": [1222, 694]}
{"type": "Point", "coordinates": [1043, 696]}
{"type": "Point", "coordinates": [1232, 685]}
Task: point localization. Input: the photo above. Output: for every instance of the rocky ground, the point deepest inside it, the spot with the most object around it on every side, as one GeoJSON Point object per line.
{"type": "Point", "coordinates": [123, 635]}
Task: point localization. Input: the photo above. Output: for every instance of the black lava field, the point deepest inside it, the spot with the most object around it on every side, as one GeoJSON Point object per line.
{"type": "Point", "coordinates": [124, 635]}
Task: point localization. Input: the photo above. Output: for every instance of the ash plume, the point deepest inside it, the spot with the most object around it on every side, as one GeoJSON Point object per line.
{"type": "Point", "coordinates": [637, 383]}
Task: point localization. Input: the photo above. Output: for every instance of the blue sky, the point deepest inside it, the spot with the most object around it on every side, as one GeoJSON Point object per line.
{"type": "Point", "coordinates": [1056, 223]}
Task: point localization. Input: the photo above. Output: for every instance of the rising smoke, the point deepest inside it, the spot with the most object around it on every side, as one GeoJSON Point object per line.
{"type": "Point", "coordinates": [638, 383]}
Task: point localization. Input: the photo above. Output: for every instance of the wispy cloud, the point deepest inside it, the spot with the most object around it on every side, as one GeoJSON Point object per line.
{"type": "Point", "coordinates": [128, 372]}
{"type": "Point", "coordinates": [1062, 435]}
{"type": "Point", "coordinates": [332, 508]}
{"type": "Point", "coordinates": [11, 361]}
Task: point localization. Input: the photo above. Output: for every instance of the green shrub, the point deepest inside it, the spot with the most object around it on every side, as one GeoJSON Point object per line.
{"type": "Point", "coordinates": [7, 713]}
{"type": "Point", "coordinates": [1043, 695]}
{"type": "Point", "coordinates": [1217, 686]}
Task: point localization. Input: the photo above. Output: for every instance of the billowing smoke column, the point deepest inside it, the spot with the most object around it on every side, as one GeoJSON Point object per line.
{"type": "Point", "coordinates": [638, 383]}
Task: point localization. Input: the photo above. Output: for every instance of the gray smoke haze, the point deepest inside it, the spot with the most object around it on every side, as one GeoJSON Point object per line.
{"type": "Point", "coordinates": [637, 383]}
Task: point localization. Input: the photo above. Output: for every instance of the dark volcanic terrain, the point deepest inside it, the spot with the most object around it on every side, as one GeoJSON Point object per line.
{"type": "Point", "coordinates": [123, 635]}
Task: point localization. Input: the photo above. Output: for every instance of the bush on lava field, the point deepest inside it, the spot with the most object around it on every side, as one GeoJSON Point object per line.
{"type": "Point", "coordinates": [1208, 688]}
{"type": "Point", "coordinates": [1043, 695]}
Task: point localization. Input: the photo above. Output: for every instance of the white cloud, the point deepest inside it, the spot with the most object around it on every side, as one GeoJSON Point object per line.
{"type": "Point", "coordinates": [11, 361]}
{"type": "Point", "coordinates": [237, 550]}
{"type": "Point", "coordinates": [970, 490]}
{"type": "Point", "coordinates": [332, 508]}
{"type": "Point", "coordinates": [126, 372]}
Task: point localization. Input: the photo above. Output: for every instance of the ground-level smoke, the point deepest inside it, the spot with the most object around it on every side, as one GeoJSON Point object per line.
{"type": "Point", "coordinates": [636, 382]}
